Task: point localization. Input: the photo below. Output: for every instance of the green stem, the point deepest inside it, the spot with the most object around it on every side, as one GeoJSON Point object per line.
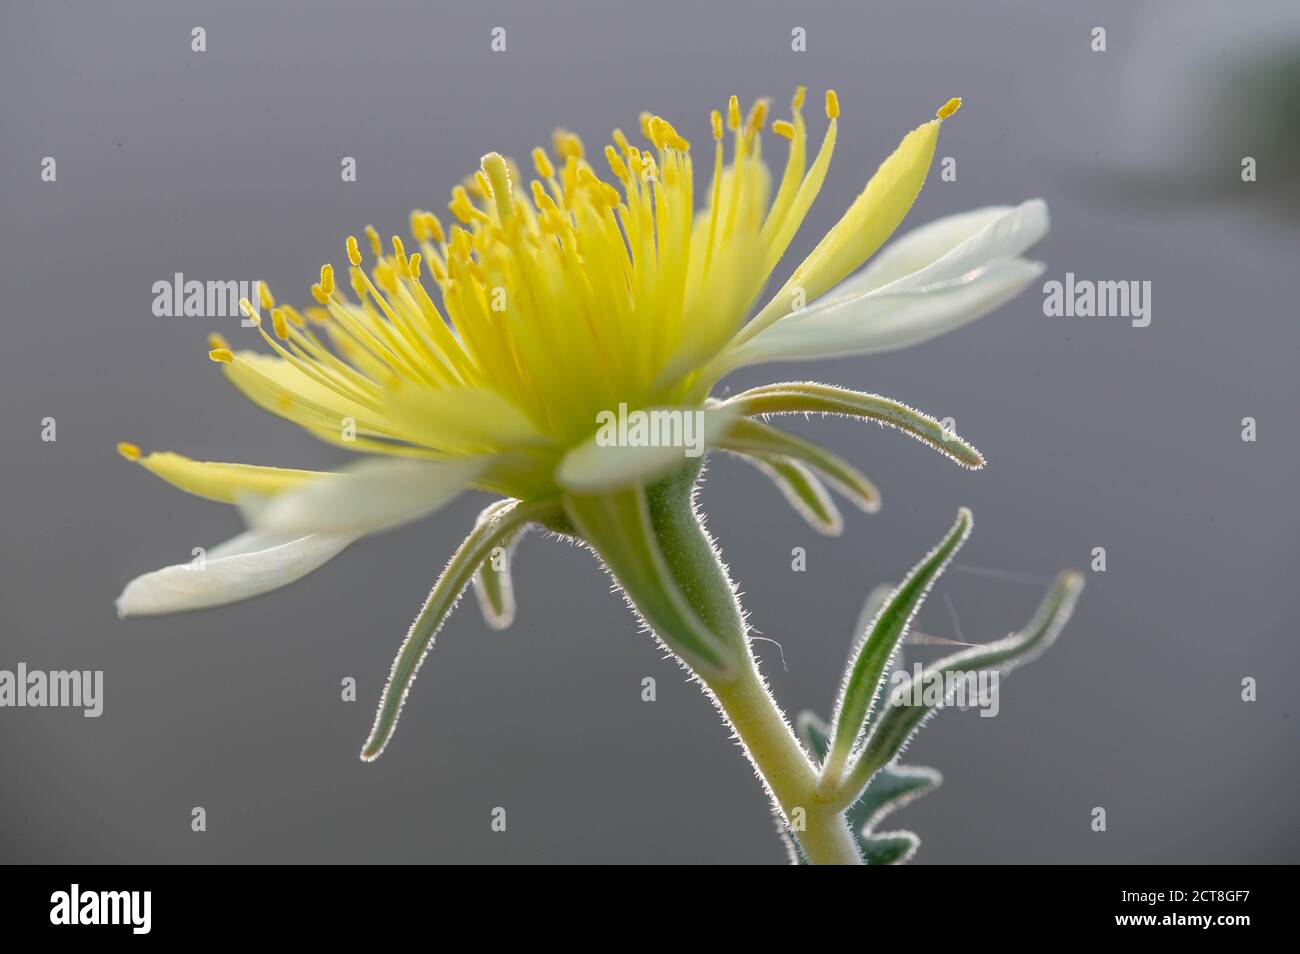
{"type": "Point", "coordinates": [744, 698]}
{"type": "Point", "coordinates": [772, 747]}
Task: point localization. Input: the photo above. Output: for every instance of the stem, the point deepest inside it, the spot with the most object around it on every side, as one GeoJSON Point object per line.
{"type": "Point", "coordinates": [744, 698]}
{"type": "Point", "coordinates": [776, 754]}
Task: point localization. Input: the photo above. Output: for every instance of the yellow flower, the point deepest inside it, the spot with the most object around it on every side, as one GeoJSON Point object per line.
{"type": "Point", "coordinates": [483, 352]}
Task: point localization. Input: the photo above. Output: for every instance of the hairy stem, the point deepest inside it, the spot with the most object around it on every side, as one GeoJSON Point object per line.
{"type": "Point", "coordinates": [777, 756]}
{"type": "Point", "coordinates": [743, 697]}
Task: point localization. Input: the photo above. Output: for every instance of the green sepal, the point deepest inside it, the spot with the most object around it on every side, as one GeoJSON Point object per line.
{"type": "Point", "coordinates": [493, 581]}
{"type": "Point", "coordinates": [803, 397]}
{"type": "Point", "coordinates": [748, 436]}
{"type": "Point", "coordinates": [502, 524]}
{"type": "Point", "coordinates": [651, 569]}
{"type": "Point", "coordinates": [801, 489]}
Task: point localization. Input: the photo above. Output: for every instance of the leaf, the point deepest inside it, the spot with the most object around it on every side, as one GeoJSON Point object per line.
{"type": "Point", "coordinates": [801, 489]}
{"type": "Point", "coordinates": [803, 397]}
{"type": "Point", "coordinates": [617, 525]}
{"type": "Point", "coordinates": [899, 721]}
{"type": "Point", "coordinates": [753, 437]}
{"type": "Point", "coordinates": [867, 668]}
{"type": "Point", "coordinates": [890, 848]}
{"type": "Point", "coordinates": [502, 524]}
{"type": "Point", "coordinates": [890, 789]}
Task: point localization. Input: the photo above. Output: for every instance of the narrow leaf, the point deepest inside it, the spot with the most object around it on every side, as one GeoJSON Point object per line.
{"type": "Point", "coordinates": [501, 525]}
{"type": "Point", "coordinates": [887, 630]}
{"type": "Point", "coordinates": [754, 437]}
{"type": "Point", "coordinates": [618, 526]}
{"type": "Point", "coordinates": [801, 397]}
{"type": "Point", "coordinates": [801, 489]}
{"type": "Point", "coordinates": [889, 848]}
{"type": "Point", "coordinates": [899, 722]}
{"type": "Point", "coordinates": [889, 789]}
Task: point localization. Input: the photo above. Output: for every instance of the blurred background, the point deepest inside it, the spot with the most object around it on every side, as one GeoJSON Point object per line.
{"type": "Point", "coordinates": [225, 165]}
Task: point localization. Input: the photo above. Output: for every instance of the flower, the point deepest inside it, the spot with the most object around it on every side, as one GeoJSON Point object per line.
{"type": "Point", "coordinates": [484, 355]}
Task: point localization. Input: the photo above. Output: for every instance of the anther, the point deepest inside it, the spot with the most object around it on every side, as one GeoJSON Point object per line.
{"type": "Point", "coordinates": [279, 324]}
{"type": "Point", "coordinates": [832, 104]}
{"type": "Point", "coordinates": [354, 253]}
{"type": "Point", "coordinates": [498, 176]}
{"type": "Point", "coordinates": [221, 355]}
{"type": "Point", "coordinates": [948, 108]}
{"type": "Point", "coordinates": [542, 163]}
{"type": "Point", "coordinates": [419, 228]}
{"type": "Point", "coordinates": [129, 451]}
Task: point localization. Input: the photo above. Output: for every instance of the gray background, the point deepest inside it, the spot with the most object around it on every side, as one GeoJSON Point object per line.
{"type": "Point", "coordinates": [226, 165]}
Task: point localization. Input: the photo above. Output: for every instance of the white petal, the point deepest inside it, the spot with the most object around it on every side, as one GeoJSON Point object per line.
{"type": "Point", "coordinates": [886, 321]}
{"type": "Point", "coordinates": [249, 565]}
{"type": "Point", "coordinates": [948, 249]}
{"type": "Point", "coordinates": [601, 464]}
{"type": "Point", "coordinates": [374, 495]}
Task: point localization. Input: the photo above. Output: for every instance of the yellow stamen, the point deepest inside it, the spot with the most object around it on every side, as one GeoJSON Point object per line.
{"type": "Point", "coordinates": [354, 253]}
{"type": "Point", "coordinates": [567, 145]}
{"type": "Point", "coordinates": [783, 129]}
{"type": "Point", "coordinates": [264, 295]}
{"type": "Point", "coordinates": [129, 451]}
{"type": "Point", "coordinates": [217, 340]}
{"type": "Point", "coordinates": [419, 228]}
{"type": "Point", "coordinates": [327, 278]}
{"type": "Point", "coordinates": [376, 245]}
{"type": "Point", "coordinates": [279, 324]}
{"type": "Point", "coordinates": [221, 355]}
{"type": "Point", "coordinates": [498, 175]}
{"type": "Point", "coordinates": [715, 118]}
{"type": "Point", "coordinates": [249, 311]}
{"type": "Point", "coordinates": [733, 113]}
{"type": "Point", "coordinates": [948, 108]}
{"type": "Point", "coordinates": [435, 227]}
{"type": "Point", "coordinates": [615, 164]}
{"type": "Point", "coordinates": [832, 104]}
{"type": "Point", "coordinates": [542, 163]}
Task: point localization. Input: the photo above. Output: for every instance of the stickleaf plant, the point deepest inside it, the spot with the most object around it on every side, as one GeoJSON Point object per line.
{"type": "Point", "coordinates": [488, 354]}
